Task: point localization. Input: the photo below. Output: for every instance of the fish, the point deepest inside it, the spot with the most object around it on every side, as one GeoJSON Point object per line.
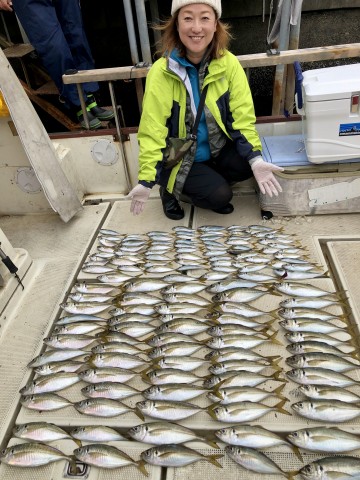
{"type": "Point", "coordinates": [169, 375]}
{"type": "Point", "coordinates": [240, 394]}
{"type": "Point", "coordinates": [44, 401]}
{"type": "Point", "coordinates": [109, 374]}
{"type": "Point", "coordinates": [110, 359]}
{"type": "Point", "coordinates": [308, 325]}
{"type": "Point", "coordinates": [309, 302]}
{"type": "Point", "coordinates": [320, 376]}
{"type": "Point", "coordinates": [187, 364]}
{"type": "Point", "coordinates": [55, 356]}
{"type": "Point", "coordinates": [162, 433]}
{"type": "Point", "coordinates": [86, 308]}
{"type": "Point", "coordinates": [137, 298]}
{"type": "Point", "coordinates": [228, 284]}
{"type": "Point", "coordinates": [115, 279]}
{"type": "Point", "coordinates": [173, 349]}
{"type": "Point", "coordinates": [176, 456]}
{"type": "Point", "coordinates": [309, 346]}
{"type": "Point", "coordinates": [187, 326]}
{"type": "Point", "coordinates": [297, 337]}
{"type": "Point", "coordinates": [57, 367]}
{"type": "Point", "coordinates": [40, 432]}
{"type": "Point", "coordinates": [243, 411]}
{"type": "Point", "coordinates": [328, 393]}
{"type": "Point", "coordinates": [253, 460]}
{"type": "Point", "coordinates": [321, 360]}
{"type": "Point", "coordinates": [332, 468]}
{"type": "Point", "coordinates": [241, 295]}
{"type": "Point", "coordinates": [167, 338]}
{"type": "Point", "coordinates": [80, 317]}
{"type": "Point", "coordinates": [291, 275]}
{"type": "Point", "coordinates": [230, 329]}
{"type": "Point", "coordinates": [333, 411]}
{"type": "Point", "coordinates": [250, 436]}
{"type": "Point", "coordinates": [106, 456]}
{"type": "Point", "coordinates": [314, 313]}
{"type": "Point", "coordinates": [242, 341]}
{"type": "Point", "coordinates": [116, 347]}
{"type": "Point", "coordinates": [180, 298]}
{"type": "Point", "coordinates": [90, 297]}
{"type": "Point", "coordinates": [185, 288]}
{"type": "Point", "coordinates": [112, 390]}
{"type": "Point", "coordinates": [235, 379]}
{"type": "Point", "coordinates": [173, 392]}
{"type": "Point", "coordinates": [31, 454]}
{"type": "Point", "coordinates": [324, 439]}
{"type": "Point", "coordinates": [80, 328]}
{"type": "Point", "coordinates": [69, 342]}
{"type": "Point", "coordinates": [84, 287]}
{"type": "Point", "coordinates": [101, 407]}
{"type": "Point", "coordinates": [96, 433]}
{"type": "Point", "coordinates": [165, 410]}
{"type": "Point", "coordinates": [132, 329]}
{"type": "Point", "coordinates": [239, 309]}
{"type": "Point", "coordinates": [50, 383]}
{"type": "Point", "coordinates": [144, 285]}
{"type": "Point", "coordinates": [302, 290]}
{"type": "Point", "coordinates": [231, 353]}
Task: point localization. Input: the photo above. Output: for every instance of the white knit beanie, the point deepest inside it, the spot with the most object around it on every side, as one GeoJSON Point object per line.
{"type": "Point", "coordinates": [177, 4]}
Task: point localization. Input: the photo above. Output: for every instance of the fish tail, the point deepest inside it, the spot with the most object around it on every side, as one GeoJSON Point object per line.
{"type": "Point", "coordinates": [282, 410]}
{"type": "Point", "coordinates": [211, 412]}
{"type": "Point", "coordinates": [291, 475]}
{"type": "Point", "coordinates": [275, 363]}
{"type": "Point", "coordinates": [272, 290]}
{"type": "Point", "coordinates": [139, 414]}
{"type": "Point", "coordinates": [212, 443]}
{"type": "Point", "coordinates": [277, 376]}
{"type": "Point", "coordinates": [73, 469]}
{"type": "Point", "coordinates": [274, 314]}
{"type": "Point", "coordinates": [297, 452]}
{"type": "Point", "coordinates": [278, 391]}
{"type": "Point", "coordinates": [217, 393]}
{"type": "Point", "coordinates": [78, 442]}
{"type": "Point", "coordinates": [213, 459]}
{"type": "Point", "coordinates": [145, 377]}
{"type": "Point", "coordinates": [140, 465]}
{"type": "Point", "coordinates": [274, 340]}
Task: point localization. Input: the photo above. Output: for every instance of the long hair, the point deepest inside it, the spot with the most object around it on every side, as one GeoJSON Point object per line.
{"type": "Point", "coordinates": [170, 38]}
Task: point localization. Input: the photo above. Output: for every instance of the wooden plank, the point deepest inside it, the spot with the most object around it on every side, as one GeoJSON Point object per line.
{"type": "Point", "coordinates": [37, 145]}
{"type": "Point", "coordinates": [255, 60]}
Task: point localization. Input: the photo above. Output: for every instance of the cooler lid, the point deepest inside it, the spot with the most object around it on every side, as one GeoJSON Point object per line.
{"type": "Point", "coordinates": [285, 150]}
{"type": "Point", "coordinates": [333, 83]}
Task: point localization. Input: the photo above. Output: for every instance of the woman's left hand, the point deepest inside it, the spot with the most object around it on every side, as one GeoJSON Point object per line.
{"type": "Point", "coordinates": [263, 173]}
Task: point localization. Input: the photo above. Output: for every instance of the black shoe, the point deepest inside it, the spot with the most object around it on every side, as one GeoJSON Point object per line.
{"type": "Point", "coordinates": [224, 210]}
{"type": "Point", "coordinates": [97, 111]}
{"type": "Point", "coordinates": [171, 206]}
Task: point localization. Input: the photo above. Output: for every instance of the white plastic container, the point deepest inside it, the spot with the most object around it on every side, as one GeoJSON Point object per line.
{"type": "Point", "coordinates": [331, 113]}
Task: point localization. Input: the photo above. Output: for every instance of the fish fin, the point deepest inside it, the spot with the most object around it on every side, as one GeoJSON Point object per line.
{"type": "Point", "coordinates": [282, 410]}
{"type": "Point", "coordinates": [291, 475]}
{"type": "Point", "coordinates": [213, 459]}
{"type": "Point", "coordinates": [140, 465]}
{"type": "Point", "coordinates": [145, 377]}
{"type": "Point", "coordinates": [275, 364]}
{"type": "Point", "coordinates": [274, 340]}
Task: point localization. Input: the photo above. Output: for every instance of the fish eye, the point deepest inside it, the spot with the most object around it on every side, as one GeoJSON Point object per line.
{"type": "Point", "coordinates": [233, 431]}
{"type": "Point", "coordinates": [295, 434]}
{"type": "Point", "coordinates": [307, 433]}
{"type": "Point", "coordinates": [146, 428]}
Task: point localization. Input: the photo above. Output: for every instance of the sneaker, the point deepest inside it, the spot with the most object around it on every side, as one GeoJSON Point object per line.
{"type": "Point", "coordinates": [97, 111]}
{"type": "Point", "coordinates": [229, 208]}
{"type": "Point", "coordinates": [94, 122]}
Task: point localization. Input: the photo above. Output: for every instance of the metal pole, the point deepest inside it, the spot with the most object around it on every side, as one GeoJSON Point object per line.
{"type": "Point", "coordinates": [83, 105]}
{"type": "Point", "coordinates": [290, 82]}
{"type": "Point", "coordinates": [143, 30]}
{"type": "Point", "coordinates": [133, 48]}
{"type": "Point", "coordinates": [113, 103]}
{"type": "Point", "coordinates": [154, 9]}
{"type": "Point", "coordinates": [278, 95]}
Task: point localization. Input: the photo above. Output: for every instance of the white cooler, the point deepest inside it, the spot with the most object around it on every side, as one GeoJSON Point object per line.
{"type": "Point", "coordinates": [331, 113]}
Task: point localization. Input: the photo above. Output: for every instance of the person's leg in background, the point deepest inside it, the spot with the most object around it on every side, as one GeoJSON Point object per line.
{"type": "Point", "coordinates": [69, 15]}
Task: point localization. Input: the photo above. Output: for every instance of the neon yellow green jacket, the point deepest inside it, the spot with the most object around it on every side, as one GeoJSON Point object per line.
{"type": "Point", "coordinates": [228, 99]}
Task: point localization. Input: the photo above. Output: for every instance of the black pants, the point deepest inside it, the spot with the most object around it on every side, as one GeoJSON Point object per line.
{"type": "Point", "coordinates": [208, 183]}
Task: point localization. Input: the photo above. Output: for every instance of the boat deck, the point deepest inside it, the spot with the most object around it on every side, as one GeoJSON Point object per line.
{"type": "Point", "coordinates": [58, 251]}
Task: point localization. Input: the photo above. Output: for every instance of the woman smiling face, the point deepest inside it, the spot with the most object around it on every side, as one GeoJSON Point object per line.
{"type": "Point", "coordinates": [196, 26]}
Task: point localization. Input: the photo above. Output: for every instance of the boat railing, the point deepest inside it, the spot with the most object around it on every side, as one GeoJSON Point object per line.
{"type": "Point", "coordinates": [139, 71]}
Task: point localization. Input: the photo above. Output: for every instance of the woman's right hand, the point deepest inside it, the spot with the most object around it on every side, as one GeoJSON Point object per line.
{"type": "Point", "coordinates": [6, 5]}
{"type": "Point", "coordinates": [139, 195]}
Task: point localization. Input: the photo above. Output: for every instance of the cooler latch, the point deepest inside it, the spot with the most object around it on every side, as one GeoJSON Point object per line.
{"type": "Point", "coordinates": [354, 108]}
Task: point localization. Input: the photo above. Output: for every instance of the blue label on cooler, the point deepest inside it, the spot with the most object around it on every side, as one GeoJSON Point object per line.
{"type": "Point", "coordinates": [349, 129]}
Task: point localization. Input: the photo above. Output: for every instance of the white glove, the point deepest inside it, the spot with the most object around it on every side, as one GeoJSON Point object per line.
{"type": "Point", "coordinates": [139, 195]}
{"type": "Point", "coordinates": [263, 173]}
